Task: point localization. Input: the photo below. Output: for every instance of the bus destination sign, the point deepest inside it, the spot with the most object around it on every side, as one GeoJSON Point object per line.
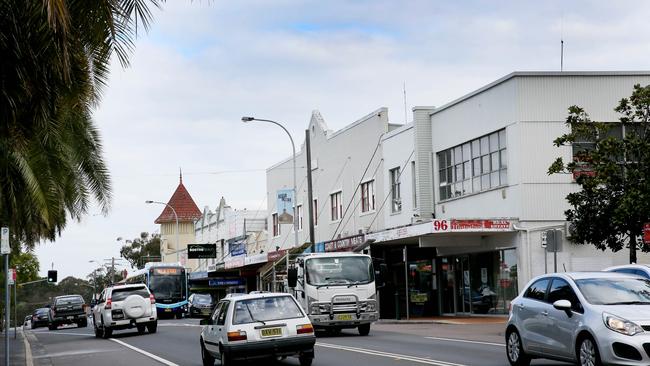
{"type": "Point", "coordinates": [201, 251]}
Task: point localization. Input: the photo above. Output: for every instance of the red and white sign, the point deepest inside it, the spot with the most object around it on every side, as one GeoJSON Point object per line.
{"type": "Point", "coordinates": [344, 244]}
{"type": "Point", "coordinates": [646, 233]}
{"type": "Point", "coordinates": [443, 226]}
{"type": "Point", "coordinates": [11, 276]}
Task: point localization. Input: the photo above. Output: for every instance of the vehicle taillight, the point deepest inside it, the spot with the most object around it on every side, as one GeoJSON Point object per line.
{"type": "Point", "coordinates": [237, 336]}
{"type": "Point", "coordinates": [109, 303]}
{"type": "Point", "coordinates": [304, 329]}
{"type": "Point", "coordinates": [152, 298]}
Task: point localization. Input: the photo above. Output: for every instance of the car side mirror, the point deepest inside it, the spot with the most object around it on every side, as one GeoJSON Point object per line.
{"type": "Point", "coordinates": [292, 277]}
{"type": "Point", "coordinates": [564, 305]}
{"type": "Point", "coordinates": [206, 321]}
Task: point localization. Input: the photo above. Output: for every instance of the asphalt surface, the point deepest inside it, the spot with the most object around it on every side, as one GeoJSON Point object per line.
{"type": "Point", "coordinates": [176, 343]}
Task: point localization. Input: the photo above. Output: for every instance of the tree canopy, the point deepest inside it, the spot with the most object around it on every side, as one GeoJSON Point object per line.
{"type": "Point", "coordinates": [141, 250]}
{"type": "Point", "coordinates": [611, 164]}
{"type": "Point", "coordinates": [55, 61]}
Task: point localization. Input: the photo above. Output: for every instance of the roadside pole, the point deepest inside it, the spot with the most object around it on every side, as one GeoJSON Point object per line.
{"type": "Point", "coordinates": [5, 250]}
{"type": "Point", "coordinates": [15, 311]}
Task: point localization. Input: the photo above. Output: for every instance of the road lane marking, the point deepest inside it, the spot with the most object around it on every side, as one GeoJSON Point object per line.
{"type": "Point", "coordinates": [141, 351]}
{"type": "Point", "coordinates": [66, 333]}
{"type": "Point", "coordinates": [395, 356]}
{"type": "Point", "coordinates": [28, 351]}
{"type": "Point", "coordinates": [466, 341]}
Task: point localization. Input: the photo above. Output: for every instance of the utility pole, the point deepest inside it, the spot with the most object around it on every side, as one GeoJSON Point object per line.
{"type": "Point", "coordinates": [112, 270]}
{"type": "Point", "coordinates": [310, 192]}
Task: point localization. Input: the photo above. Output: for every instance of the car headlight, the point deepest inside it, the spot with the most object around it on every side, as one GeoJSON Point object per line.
{"type": "Point", "coordinates": [621, 325]}
{"type": "Point", "coordinates": [372, 306]}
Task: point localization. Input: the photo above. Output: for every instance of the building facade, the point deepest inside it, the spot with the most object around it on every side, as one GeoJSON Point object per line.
{"type": "Point", "coordinates": [485, 162]}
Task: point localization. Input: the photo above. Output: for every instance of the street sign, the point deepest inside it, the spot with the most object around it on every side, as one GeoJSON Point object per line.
{"type": "Point", "coordinates": [11, 276]}
{"type": "Point", "coordinates": [646, 233]}
{"type": "Point", "coordinates": [201, 251]}
{"type": "Point", "coordinates": [4, 241]}
{"type": "Point", "coordinates": [554, 240]}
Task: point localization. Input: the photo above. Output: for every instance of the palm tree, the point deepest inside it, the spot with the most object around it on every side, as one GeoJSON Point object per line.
{"type": "Point", "coordinates": [55, 61]}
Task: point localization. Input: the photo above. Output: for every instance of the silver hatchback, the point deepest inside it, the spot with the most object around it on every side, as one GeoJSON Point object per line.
{"type": "Point", "coordinates": [592, 318]}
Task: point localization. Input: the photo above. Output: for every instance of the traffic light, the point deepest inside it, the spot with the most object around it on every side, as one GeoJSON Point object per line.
{"type": "Point", "coordinates": [51, 275]}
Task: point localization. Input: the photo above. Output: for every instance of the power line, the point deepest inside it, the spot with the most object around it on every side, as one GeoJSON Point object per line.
{"type": "Point", "coordinates": [390, 193]}
{"type": "Point", "coordinates": [357, 203]}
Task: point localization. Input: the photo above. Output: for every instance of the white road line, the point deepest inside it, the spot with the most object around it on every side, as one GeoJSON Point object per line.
{"type": "Point", "coordinates": [28, 351]}
{"type": "Point", "coordinates": [466, 341]}
{"type": "Point", "coordinates": [65, 333]}
{"type": "Point", "coordinates": [427, 361]}
{"type": "Point", "coordinates": [150, 355]}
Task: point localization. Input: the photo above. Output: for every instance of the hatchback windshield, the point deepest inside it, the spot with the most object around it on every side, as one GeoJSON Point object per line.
{"type": "Point", "coordinates": [615, 291]}
{"type": "Point", "coordinates": [266, 309]}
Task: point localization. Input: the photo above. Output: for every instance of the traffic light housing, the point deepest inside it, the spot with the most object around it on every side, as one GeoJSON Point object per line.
{"type": "Point", "coordinates": [51, 275]}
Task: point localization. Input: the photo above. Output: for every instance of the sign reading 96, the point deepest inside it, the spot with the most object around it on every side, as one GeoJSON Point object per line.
{"type": "Point", "coordinates": [441, 225]}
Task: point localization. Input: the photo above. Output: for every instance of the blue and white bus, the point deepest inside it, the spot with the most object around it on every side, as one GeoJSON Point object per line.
{"type": "Point", "coordinates": [168, 283]}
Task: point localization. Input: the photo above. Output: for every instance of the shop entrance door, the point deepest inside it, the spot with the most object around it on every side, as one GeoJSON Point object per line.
{"type": "Point", "coordinates": [463, 286]}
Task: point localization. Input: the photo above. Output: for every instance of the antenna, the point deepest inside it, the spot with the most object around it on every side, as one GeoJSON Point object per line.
{"type": "Point", "coordinates": [561, 55]}
{"type": "Point", "coordinates": [405, 109]}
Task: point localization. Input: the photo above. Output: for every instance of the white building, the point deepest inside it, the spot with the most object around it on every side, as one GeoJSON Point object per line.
{"type": "Point", "coordinates": [481, 182]}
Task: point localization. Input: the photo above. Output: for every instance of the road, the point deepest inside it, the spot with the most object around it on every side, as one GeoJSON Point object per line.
{"type": "Point", "coordinates": [176, 343]}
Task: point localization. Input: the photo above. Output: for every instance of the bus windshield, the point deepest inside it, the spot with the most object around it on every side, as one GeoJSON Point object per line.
{"type": "Point", "coordinates": [168, 285]}
{"type": "Point", "coordinates": [339, 271]}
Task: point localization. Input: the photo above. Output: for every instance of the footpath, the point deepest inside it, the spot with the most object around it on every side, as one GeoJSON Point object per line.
{"type": "Point", "coordinates": [482, 329]}
{"type": "Point", "coordinates": [16, 348]}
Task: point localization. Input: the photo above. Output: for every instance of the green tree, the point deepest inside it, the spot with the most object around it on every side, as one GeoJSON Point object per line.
{"type": "Point", "coordinates": [141, 250]}
{"type": "Point", "coordinates": [612, 167]}
{"type": "Point", "coordinates": [55, 61]}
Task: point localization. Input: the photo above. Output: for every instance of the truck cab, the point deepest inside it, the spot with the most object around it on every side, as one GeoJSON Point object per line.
{"type": "Point", "coordinates": [337, 290]}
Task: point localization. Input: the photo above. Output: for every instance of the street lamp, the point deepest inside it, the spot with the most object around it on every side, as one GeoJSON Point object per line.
{"type": "Point", "coordinates": [94, 277]}
{"type": "Point", "coordinates": [295, 191]}
{"type": "Point", "coordinates": [177, 239]}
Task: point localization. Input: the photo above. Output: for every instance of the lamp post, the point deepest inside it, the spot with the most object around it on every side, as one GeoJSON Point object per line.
{"type": "Point", "coordinates": [94, 277]}
{"type": "Point", "coordinates": [295, 191]}
{"type": "Point", "coordinates": [177, 239]}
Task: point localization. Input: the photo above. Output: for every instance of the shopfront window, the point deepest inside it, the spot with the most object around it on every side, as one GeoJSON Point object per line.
{"type": "Point", "coordinates": [421, 287]}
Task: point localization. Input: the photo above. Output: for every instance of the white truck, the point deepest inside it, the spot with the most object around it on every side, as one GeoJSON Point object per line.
{"type": "Point", "coordinates": [337, 290]}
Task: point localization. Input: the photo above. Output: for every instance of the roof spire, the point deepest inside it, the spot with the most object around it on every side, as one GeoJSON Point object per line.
{"type": "Point", "coordinates": [181, 174]}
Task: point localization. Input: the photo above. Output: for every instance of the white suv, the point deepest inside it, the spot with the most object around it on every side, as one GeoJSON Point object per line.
{"type": "Point", "coordinates": [257, 326]}
{"type": "Point", "coordinates": [125, 307]}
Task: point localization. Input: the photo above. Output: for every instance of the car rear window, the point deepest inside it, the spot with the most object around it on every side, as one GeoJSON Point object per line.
{"type": "Point", "coordinates": [122, 293]}
{"type": "Point", "coordinates": [202, 299]}
{"type": "Point", "coordinates": [42, 311]}
{"type": "Point", "coordinates": [266, 309]}
{"type": "Point", "coordinates": [69, 300]}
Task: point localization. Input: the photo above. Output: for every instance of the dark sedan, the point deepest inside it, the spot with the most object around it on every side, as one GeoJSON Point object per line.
{"type": "Point", "coordinates": [40, 317]}
{"type": "Point", "coordinates": [200, 305]}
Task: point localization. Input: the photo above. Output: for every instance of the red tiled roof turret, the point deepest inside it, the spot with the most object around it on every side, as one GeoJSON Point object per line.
{"type": "Point", "coordinates": [184, 205]}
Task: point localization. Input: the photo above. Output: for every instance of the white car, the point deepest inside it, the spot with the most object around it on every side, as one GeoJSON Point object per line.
{"type": "Point", "coordinates": [642, 270]}
{"type": "Point", "coordinates": [260, 325]}
{"type": "Point", "coordinates": [125, 307]}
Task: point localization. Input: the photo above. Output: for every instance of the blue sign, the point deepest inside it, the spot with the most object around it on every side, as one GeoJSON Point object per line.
{"type": "Point", "coordinates": [285, 206]}
{"type": "Point", "coordinates": [237, 248]}
{"type": "Point", "coordinates": [216, 282]}
{"type": "Point", "coordinates": [320, 248]}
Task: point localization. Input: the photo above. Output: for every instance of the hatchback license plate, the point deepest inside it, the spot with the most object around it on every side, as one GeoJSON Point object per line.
{"type": "Point", "coordinates": [344, 317]}
{"type": "Point", "coordinates": [271, 332]}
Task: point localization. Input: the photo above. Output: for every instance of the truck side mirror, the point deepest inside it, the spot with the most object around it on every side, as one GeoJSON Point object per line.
{"type": "Point", "coordinates": [380, 275]}
{"type": "Point", "coordinates": [292, 277]}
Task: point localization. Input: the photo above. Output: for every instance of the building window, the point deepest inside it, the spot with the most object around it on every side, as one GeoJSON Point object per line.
{"type": "Point", "coordinates": [299, 213]}
{"type": "Point", "coordinates": [368, 196]}
{"type": "Point", "coordinates": [276, 225]}
{"type": "Point", "coordinates": [315, 207]}
{"type": "Point", "coordinates": [396, 197]}
{"type": "Point", "coordinates": [474, 166]}
{"type": "Point", "coordinates": [336, 206]}
{"type": "Point", "coordinates": [413, 186]}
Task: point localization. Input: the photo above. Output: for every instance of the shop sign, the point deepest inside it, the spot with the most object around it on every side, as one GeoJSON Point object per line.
{"type": "Point", "coordinates": [402, 232]}
{"type": "Point", "coordinates": [285, 206]}
{"type": "Point", "coordinates": [197, 275]}
{"type": "Point", "coordinates": [257, 258]}
{"type": "Point", "coordinates": [344, 244]}
{"type": "Point", "coordinates": [480, 225]}
{"type": "Point", "coordinates": [274, 256]}
{"type": "Point", "coordinates": [201, 251]}
{"type": "Point", "coordinates": [646, 233]}
{"type": "Point", "coordinates": [212, 267]}
{"type": "Point", "coordinates": [216, 282]}
{"type": "Point", "coordinates": [234, 263]}
{"type": "Point", "coordinates": [237, 247]}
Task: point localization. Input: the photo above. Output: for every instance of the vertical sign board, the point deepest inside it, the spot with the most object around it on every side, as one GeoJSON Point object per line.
{"type": "Point", "coordinates": [646, 233]}
{"type": "Point", "coordinates": [12, 276]}
{"type": "Point", "coordinates": [285, 206]}
{"type": "Point", "coordinates": [4, 241]}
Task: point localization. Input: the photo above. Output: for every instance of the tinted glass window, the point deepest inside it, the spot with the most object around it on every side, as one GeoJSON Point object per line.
{"type": "Point", "coordinates": [625, 270]}
{"type": "Point", "coordinates": [265, 309]}
{"type": "Point", "coordinates": [42, 311]}
{"type": "Point", "coordinates": [123, 293]}
{"type": "Point", "coordinates": [615, 291]}
{"type": "Point", "coordinates": [537, 290]}
{"type": "Point", "coordinates": [561, 290]}
{"type": "Point", "coordinates": [216, 313]}
{"type": "Point", "coordinates": [69, 300]}
{"type": "Point", "coordinates": [221, 320]}
{"type": "Point", "coordinates": [202, 299]}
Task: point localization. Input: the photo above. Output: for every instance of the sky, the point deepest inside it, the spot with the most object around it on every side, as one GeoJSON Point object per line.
{"type": "Point", "coordinates": [205, 64]}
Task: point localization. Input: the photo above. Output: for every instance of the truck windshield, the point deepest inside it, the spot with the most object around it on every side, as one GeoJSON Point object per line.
{"type": "Point", "coordinates": [339, 271]}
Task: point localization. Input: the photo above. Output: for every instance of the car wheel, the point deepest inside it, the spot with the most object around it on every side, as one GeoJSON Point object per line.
{"type": "Point", "coordinates": [514, 349]}
{"type": "Point", "coordinates": [305, 360]}
{"type": "Point", "coordinates": [588, 353]}
{"type": "Point", "coordinates": [364, 329]}
{"type": "Point", "coordinates": [225, 359]}
{"type": "Point", "coordinates": [208, 359]}
{"type": "Point", "coordinates": [141, 328]}
{"type": "Point", "coordinates": [106, 331]}
{"type": "Point", "coordinates": [152, 327]}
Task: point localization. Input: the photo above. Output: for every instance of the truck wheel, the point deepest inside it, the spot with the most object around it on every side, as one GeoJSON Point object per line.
{"type": "Point", "coordinates": [305, 360]}
{"type": "Point", "coordinates": [364, 329]}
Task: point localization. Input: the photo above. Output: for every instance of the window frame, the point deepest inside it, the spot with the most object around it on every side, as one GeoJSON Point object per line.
{"type": "Point", "coordinates": [548, 284]}
{"type": "Point", "coordinates": [395, 193]}
{"type": "Point", "coordinates": [276, 225]}
{"type": "Point", "coordinates": [336, 206]}
{"type": "Point", "coordinates": [368, 196]}
{"type": "Point", "coordinates": [575, 307]}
